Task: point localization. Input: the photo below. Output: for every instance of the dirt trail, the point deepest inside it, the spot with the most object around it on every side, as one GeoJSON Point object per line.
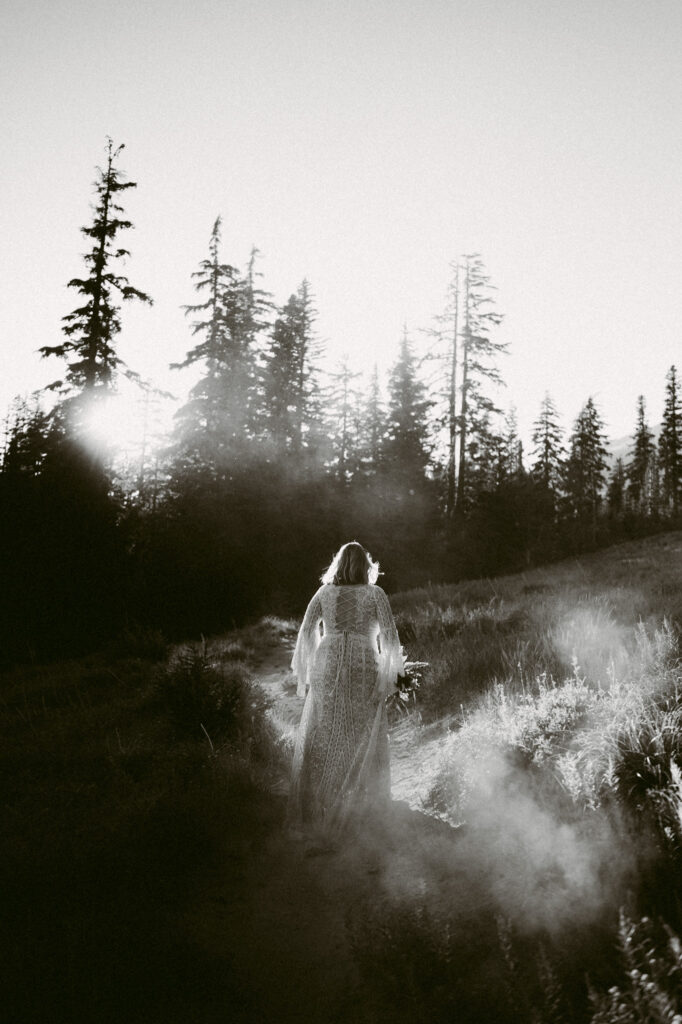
{"type": "Point", "coordinates": [276, 913]}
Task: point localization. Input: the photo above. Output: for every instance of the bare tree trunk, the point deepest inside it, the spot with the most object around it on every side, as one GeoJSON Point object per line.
{"type": "Point", "coordinates": [95, 325]}
{"type": "Point", "coordinates": [461, 476]}
{"type": "Point", "coordinates": [452, 410]}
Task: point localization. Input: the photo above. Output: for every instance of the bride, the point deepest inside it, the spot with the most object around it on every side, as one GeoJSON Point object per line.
{"type": "Point", "coordinates": [347, 660]}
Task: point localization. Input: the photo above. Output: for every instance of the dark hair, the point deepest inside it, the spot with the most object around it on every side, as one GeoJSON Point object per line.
{"type": "Point", "coordinates": [351, 564]}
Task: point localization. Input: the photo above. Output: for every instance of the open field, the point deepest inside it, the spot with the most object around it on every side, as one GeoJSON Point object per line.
{"type": "Point", "coordinates": [149, 878]}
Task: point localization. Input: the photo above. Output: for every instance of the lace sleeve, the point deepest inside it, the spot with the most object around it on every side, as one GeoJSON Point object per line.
{"type": "Point", "coordinates": [306, 645]}
{"type": "Point", "coordinates": [390, 656]}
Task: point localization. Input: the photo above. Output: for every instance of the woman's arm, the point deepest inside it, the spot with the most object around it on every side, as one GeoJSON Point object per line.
{"type": "Point", "coordinates": [306, 645]}
{"type": "Point", "coordinates": [390, 656]}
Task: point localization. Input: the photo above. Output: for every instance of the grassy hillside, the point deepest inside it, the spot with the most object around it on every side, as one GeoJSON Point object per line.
{"type": "Point", "coordinates": [552, 731]}
{"type": "Point", "coordinates": [518, 629]}
{"type": "Point", "coordinates": [148, 877]}
{"type": "Point", "coordinates": [126, 776]}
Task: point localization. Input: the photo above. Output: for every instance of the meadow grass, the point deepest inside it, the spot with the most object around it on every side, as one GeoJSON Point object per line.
{"type": "Point", "coordinates": [558, 696]}
{"type": "Point", "coordinates": [125, 779]}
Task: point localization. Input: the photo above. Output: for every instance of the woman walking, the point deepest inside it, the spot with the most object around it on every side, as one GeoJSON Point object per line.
{"type": "Point", "coordinates": [347, 660]}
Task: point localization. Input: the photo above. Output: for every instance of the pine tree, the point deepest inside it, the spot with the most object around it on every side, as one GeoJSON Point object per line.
{"type": "Point", "coordinates": [406, 446]}
{"type": "Point", "coordinates": [27, 431]}
{"type": "Point", "coordinates": [651, 490]}
{"type": "Point", "coordinates": [371, 427]}
{"type": "Point", "coordinates": [640, 455]}
{"type": "Point", "coordinates": [478, 353]}
{"type": "Point", "coordinates": [448, 340]}
{"type": "Point", "coordinates": [548, 447]}
{"type": "Point", "coordinates": [258, 310]}
{"type": "Point", "coordinates": [217, 423]}
{"type": "Point", "coordinates": [586, 468]}
{"type": "Point", "coordinates": [616, 489]}
{"type": "Point", "coordinates": [291, 377]}
{"type": "Point", "coordinates": [92, 328]}
{"type": "Point", "coordinates": [343, 425]}
{"type": "Point", "coordinates": [486, 454]}
{"type": "Point", "coordinates": [510, 459]}
{"type": "Point", "coordinates": [670, 444]}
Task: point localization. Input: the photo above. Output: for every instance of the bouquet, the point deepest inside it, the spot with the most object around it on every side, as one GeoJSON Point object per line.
{"type": "Point", "coordinates": [408, 683]}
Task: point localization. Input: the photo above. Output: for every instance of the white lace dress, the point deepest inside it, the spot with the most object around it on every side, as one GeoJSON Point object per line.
{"type": "Point", "coordinates": [346, 661]}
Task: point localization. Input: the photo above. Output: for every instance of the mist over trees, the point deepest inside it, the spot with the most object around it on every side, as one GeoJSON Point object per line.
{"type": "Point", "coordinates": [275, 458]}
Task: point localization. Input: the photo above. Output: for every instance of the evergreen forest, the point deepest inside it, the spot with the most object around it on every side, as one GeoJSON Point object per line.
{"type": "Point", "coordinates": [276, 456]}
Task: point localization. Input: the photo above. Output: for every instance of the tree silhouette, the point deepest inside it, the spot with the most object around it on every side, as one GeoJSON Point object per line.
{"type": "Point", "coordinates": [478, 355]}
{"type": "Point", "coordinates": [372, 427]}
{"type": "Point", "coordinates": [91, 329]}
{"type": "Point", "coordinates": [548, 447]}
{"type": "Point", "coordinates": [291, 375]}
{"type": "Point", "coordinates": [670, 444]}
{"type": "Point", "coordinates": [216, 424]}
{"type": "Point", "coordinates": [640, 455]}
{"type": "Point", "coordinates": [406, 447]}
{"type": "Point", "coordinates": [343, 426]}
{"type": "Point", "coordinates": [586, 469]}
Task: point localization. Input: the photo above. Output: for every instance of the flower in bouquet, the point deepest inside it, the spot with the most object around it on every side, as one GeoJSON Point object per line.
{"type": "Point", "coordinates": [408, 682]}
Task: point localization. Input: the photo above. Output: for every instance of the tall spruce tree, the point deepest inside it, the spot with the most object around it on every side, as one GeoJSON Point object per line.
{"type": "Point", "coordinates": [92, 328]}
{"type": "Point", "coordinates": [486, 455]}
{"type": "Point", "coordinates": [291, 377]}
{"type": "Point", "coordinates": [216, 426]}
{"type": "Point", "coordinates": [342, 418]}
{"type": "Point", "coordinates": [670, 444]}
{"type": "Point", "coordinates": [406, 447]}
{"type": "Point", "coordinates": [371, 426]}
{"type": "Point", "coordinates": [448, 341]}
{"type": "Point", "coordinates": [651, 491]}
{"type": "Point", "coordinates": [511, 448]}
{"type": "Point", "coordinates": [616, 489]}
{"type": "Point", "coordinates": [640, 456]}
{"type": "Point", "coordinates": [585, 469]}
{"type": "Point", "coordinates": [478, 355]}
{"type": "Point", "coordinates": [548, 447]}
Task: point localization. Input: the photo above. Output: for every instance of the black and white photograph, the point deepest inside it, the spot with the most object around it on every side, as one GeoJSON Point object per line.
{"type": "Point", "coordinates": [341, 511]}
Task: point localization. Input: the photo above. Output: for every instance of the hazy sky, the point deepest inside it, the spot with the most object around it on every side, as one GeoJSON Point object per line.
{"type": "Point", "coordinates": [363, 145]}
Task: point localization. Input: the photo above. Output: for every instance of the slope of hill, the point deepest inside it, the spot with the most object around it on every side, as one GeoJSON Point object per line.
{"type": "Point", "coordinates": [537, 820]}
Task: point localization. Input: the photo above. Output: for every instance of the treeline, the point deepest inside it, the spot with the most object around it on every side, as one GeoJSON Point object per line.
{"type": "Point", "coordinates": [274, 460]}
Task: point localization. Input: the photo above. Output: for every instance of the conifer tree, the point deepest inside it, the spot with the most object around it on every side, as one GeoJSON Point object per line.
{"type": "Point", "coordinates": [651, 491]}
{"type": "Point", "coordinates": [291, 377]}
{"type": "Point", "coordinates": [548, 447]}
{"type": "Point", "coordinates": [586, 468]}
{"type": "Point", "coordinates": [371, 427]}
{"type": "Point", "coordinates": [640, 455]}
{"type": "Point", "coordinates": [670, 444]}
{"type": "Point", "coordinates": [406, 446]}
{"type": "Point", "coordinates": [448, 339]}
{"type": "Point", "coordinates": [486, 455]}
{"type": "Point", "coordinates": [616, 489]}
{"type": "Point", "coordinates": [511, 448]}
{"type": "Point", "coordinates": [27, 432]}
{"type": "Point", "coordinates": [92, 328]}
{"type": "Point", "coordinates": [217, 424]}
{"type": "Point", "coordinates": [478, 354]}
{"type": "Point", "coordinates": [343, 424]}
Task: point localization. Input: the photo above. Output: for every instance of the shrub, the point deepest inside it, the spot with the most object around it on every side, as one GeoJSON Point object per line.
{"type": "Point", "coordinates": [650, 991]}
{"type": "Point", "coordinates": [202, 691]}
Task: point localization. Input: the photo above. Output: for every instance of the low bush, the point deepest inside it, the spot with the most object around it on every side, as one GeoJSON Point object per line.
{"type": "Point", "coordinates": [650, 991]}
{"type": "Point", "coordinates": [116, 800]}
